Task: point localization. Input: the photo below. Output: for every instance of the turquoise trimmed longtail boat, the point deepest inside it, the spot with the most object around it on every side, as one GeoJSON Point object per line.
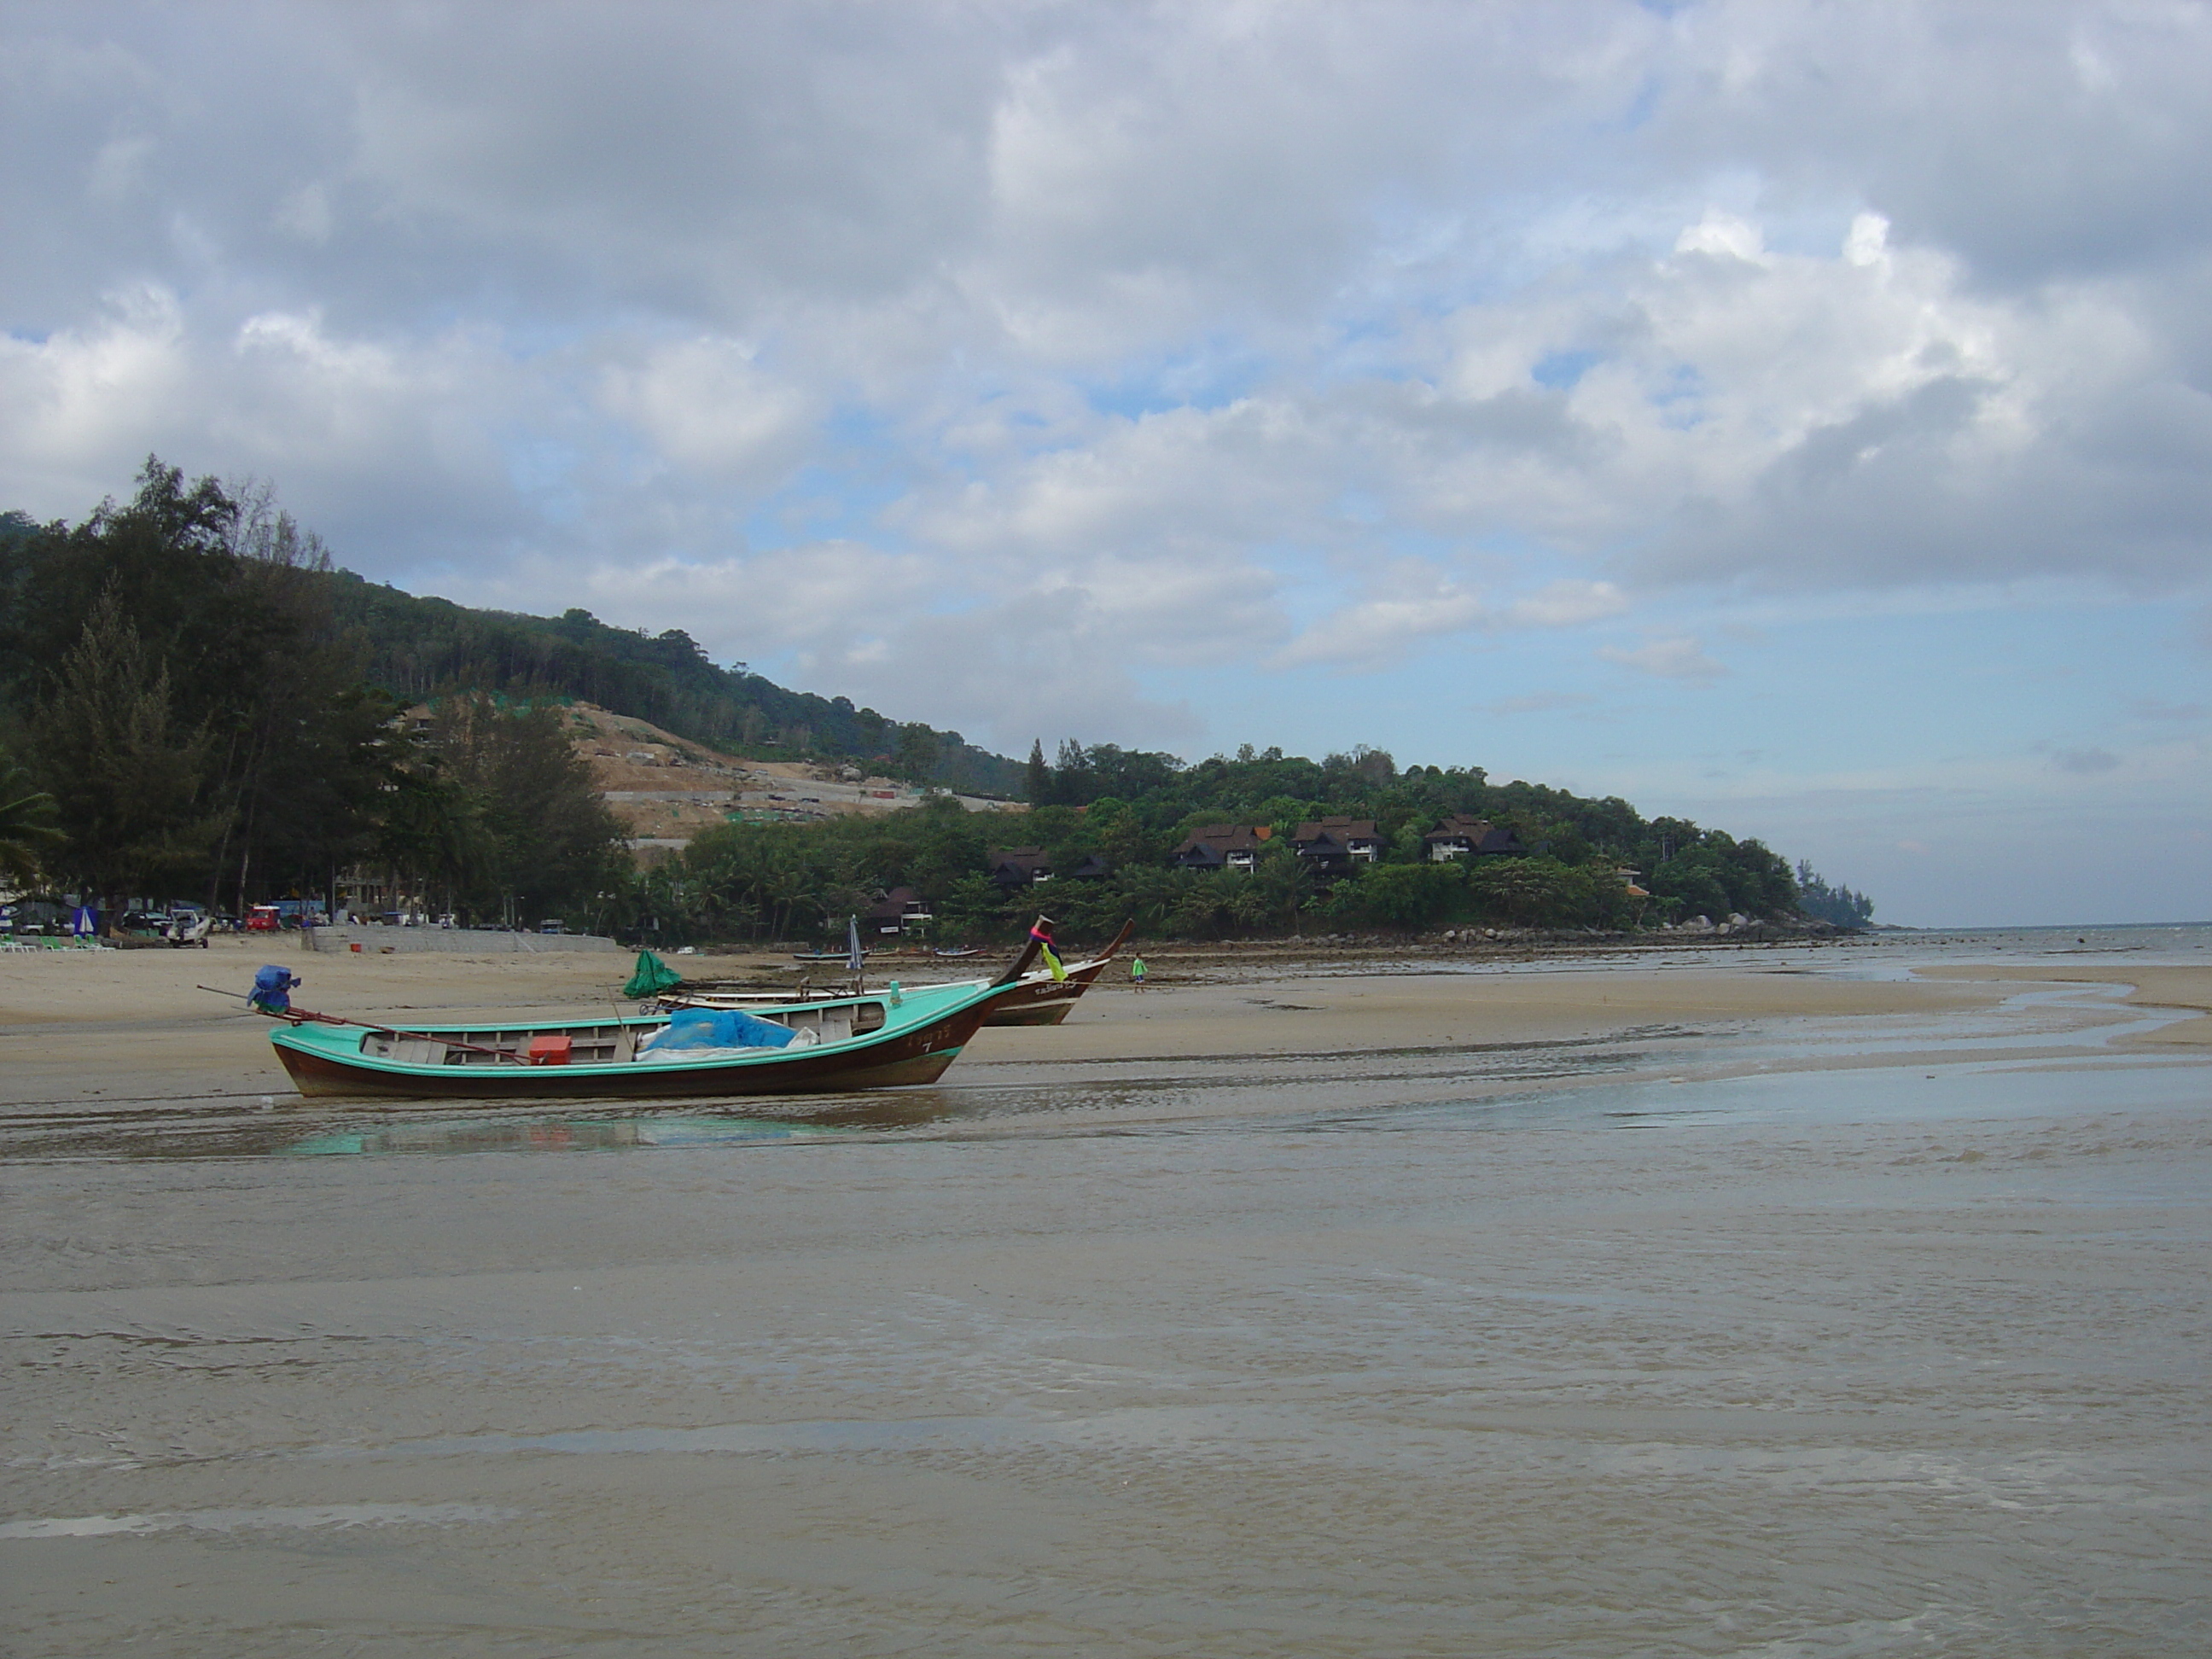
{"type": "Point", "coordinates": [873, 1039]}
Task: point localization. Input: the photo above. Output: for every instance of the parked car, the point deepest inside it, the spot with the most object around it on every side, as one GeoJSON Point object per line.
{"type": "Point", "coordinates": [187, 928]}
{"type": "Point", "coordinates": [552, 925]}
{"type": "Point", "coordinates": [264, 919]}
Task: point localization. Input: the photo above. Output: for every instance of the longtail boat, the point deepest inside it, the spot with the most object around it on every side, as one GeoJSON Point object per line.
{"type": "Point", "coordinates": [1041, 1000]}
{"type": "Point", "coordinates": [1037, 998]}
{"type": "Point", "coordinates": [875, 1040]}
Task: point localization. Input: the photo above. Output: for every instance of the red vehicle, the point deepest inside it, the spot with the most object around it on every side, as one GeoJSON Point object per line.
{"type": "Point", "coordinates": [264, 918]}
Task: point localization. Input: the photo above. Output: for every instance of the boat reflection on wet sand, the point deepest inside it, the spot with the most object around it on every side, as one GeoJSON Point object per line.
{"type": "Point", "coordinates": [519, 1133]}
{"type": "Point", "coordinates": [556, 1135]}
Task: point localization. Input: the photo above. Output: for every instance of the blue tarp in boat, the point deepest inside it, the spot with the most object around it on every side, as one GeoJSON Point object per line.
{"type": "Point", "coordinates": [721, 1028]}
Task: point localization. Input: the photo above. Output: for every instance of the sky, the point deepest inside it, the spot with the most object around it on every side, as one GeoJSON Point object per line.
{"type": "Point", "coordinates": [1794, 417]}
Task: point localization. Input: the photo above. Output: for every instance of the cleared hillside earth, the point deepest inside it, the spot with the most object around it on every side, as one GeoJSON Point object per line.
{"type": "Point", "coordinates": [665, 790]}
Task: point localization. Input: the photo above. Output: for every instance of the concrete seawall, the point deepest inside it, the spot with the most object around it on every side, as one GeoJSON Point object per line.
{"type": "Point", "coordinates": [455, 941]}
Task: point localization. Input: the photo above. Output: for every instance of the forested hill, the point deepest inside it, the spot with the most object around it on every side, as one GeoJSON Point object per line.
{"type": "Point", "coordinates": [202, 703]}
{"type": "Point", "coordinates": [421, 647]}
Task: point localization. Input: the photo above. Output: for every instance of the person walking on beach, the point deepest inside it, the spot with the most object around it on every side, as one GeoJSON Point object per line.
{"type": "Point", "coordinates": [1136, 973]}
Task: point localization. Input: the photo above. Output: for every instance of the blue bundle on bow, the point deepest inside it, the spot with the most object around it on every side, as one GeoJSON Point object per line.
{"type": "Point", "coordinates": [272, 989]}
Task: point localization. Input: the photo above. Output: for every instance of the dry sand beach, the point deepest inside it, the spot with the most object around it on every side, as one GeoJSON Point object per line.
{"type": "Point", "coordinates": [1843, 1300]}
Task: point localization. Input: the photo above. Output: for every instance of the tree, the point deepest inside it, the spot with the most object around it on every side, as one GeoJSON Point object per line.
{"type": "Point", "coordinates": [1837, 904]}
{"type": "Point", "coordinates": [1284, 883]}
{"type": "Point", "coordinates": [917, 756]}
{"type": "Point", "coordinates": [1074, 781]}
{"type": "Point", "coordinates": [1402, 895]}
{"type": "Point", "coordinates": [227, 600]}
{"type": "Point", "coordinates": [125, 776]}
{"type": "Point", "coordinates": [553, 843]}
{"type": "Point", "coordinates": [432, 830]}
{"type": "Point", "coordinates": [28, 828]}
{"type": "Point", "coordinates": [1037, 787]}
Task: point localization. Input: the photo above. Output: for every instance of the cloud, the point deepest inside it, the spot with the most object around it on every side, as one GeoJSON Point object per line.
{"type": "Point", "coordinates": [2160, 709]}
{"type": "Point", "coordinates": [706, 404]}
{"type": "Point", "coordinates": [80, 400]}
{"type": "Point", "coordinates": [1374, 632]}
{"type": "Point", "coordinates": [1680, 658]}
{"type": "Point", "coordinates": [1413, 600]}
{"type": "Point", "coordinates": [1539, 702]}
{"type": "Point", "coordinates": [2086, 761]}
{"type": "Point", "coordinates": [856, 331]}
{"type": "Point", "coordinates": [1726, 236]}
{"type": "Point", "coordinates": [1567, 603]}
{"type": "Point", "coordinates": [2016, 138]}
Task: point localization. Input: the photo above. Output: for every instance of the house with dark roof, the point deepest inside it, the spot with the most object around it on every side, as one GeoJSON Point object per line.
{"type": "Point", "coordinates": [898, 911]}
{"type": "Point", "coordinates": [1330, 847]}
{"type": "Point", "coordinates": [1019, 866]}
{"type": "Point", "coordinates": [1223, 847]}
{"type": "Point", "coordinates": [1460, 836]}
{"type": "Point", "coordinates": [1025, 866]}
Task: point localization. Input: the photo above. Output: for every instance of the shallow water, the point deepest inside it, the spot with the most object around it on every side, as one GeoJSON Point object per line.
{"type": "Point", "coordinates": [1803, 1338]}
{"type": "Point", "coordinates": [1875, 956]}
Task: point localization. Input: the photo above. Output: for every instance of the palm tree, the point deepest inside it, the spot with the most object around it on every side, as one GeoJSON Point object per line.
{"type": "Point", "coordinates": [1284, 881]}
{"type": "Point", "coordinates": [26, 823]}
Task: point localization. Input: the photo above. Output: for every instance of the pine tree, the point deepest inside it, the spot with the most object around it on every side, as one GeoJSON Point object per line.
{"type": "Point", "coordinates": [126, 780]}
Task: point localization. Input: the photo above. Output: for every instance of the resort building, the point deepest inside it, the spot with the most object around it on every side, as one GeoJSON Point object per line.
{"type": "Point", "coordinates": [1223, 847]}
{"type": "Point", "coordinates": [1023, 867]}
{"type": "Point", "coordinates": [1330, 847]}
{"type": "Point", "coordinates": [899, 911]}
{"type": "Point", "coordinates": [1462, 838]}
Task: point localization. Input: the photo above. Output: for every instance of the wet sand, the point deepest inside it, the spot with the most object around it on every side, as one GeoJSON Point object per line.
{"type": "Point", "coordinates": [100, 1028]}
{"type": "Point", "coordinates": [2150, 984]}
{"type": "Point", "coordinates": [1780, 1304]}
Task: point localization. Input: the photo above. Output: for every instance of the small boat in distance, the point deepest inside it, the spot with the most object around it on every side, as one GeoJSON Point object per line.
{"type": "Point", "coordinates": [851, 956]}
{"type": "Point", "coordinates": [1039, 998]}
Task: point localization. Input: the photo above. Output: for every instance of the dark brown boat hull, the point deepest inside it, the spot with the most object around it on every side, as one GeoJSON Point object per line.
{"type": "Point", "coordinates": [1048, 1001]}
{"type": "Point", "coordinates": [1044, 1002]}
{"type": "Point", "coordinates": [918, 1056]}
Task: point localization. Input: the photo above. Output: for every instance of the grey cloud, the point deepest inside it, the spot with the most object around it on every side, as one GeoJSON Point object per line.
{"type": "Point", "coordinates": [1681, 657]}
{"type": "Point", "coordinates": [1539, 702]}
{"type": "Point", "coordinates": [677, 156]}
{"type": "Point", "coordinates": [1898, 494]}
{"type": "Point", "coordinates": [2040, 142]}
{"type": "Point", "coordinates": [2159, 709]}
{"type": "Point", "coordinates": [574, 289]}
{"type": "Point", "coordinates": [2087, 761]}
{"type": "Point", "coordinates": [1009, 674]}
{"type": "Point", "coordinates": [1528, 420]}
